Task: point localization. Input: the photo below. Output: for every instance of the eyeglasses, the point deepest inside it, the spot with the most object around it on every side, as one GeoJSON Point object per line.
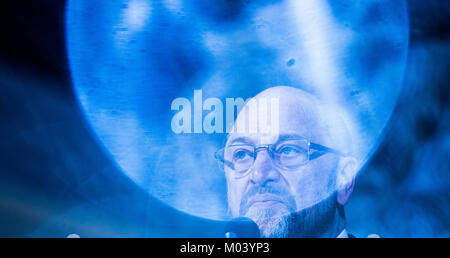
{"type": "Point", "coordinates": [287, 155]}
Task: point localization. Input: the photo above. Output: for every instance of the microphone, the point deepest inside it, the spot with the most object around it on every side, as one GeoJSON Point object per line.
{"type": "Point", "coordinates": [241, 227]}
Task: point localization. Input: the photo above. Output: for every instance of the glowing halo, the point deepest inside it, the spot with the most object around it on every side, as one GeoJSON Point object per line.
{"type": "Point", "coordinates": [129, 59]}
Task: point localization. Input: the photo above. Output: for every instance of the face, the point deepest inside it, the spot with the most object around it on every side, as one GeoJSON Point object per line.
{"type": "Point", "coordinates": [271, 189]}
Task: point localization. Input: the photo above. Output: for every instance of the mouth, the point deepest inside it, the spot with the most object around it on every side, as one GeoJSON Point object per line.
{"type": "Point", "coordinates": [265, 200]}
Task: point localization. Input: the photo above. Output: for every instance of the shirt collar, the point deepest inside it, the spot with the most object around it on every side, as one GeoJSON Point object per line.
{"type": "Point", "coordinates": [343, 234]}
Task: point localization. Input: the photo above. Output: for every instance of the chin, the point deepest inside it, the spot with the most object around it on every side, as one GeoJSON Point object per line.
{"type": "Point", "coordinates": [271, 219]}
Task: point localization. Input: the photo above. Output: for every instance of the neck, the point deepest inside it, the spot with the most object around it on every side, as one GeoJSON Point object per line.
{"type": "Point", "coordinates": [340, 222]}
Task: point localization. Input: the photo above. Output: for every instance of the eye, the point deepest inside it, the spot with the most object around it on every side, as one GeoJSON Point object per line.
{"type": "Point", "coordinates": [291, 156]}
{"type": "Point", "coordinates": [289, 150]}
{"type": "Point", "coordinates": [241, 155]}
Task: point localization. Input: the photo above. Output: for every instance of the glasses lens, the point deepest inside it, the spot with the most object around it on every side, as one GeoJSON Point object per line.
{"type": "Point", "coordinates": [241, 157]}
{"type": "Point", "coordinates": [289, 155]}
{"type": "Point", "coordinates": [292, 154]}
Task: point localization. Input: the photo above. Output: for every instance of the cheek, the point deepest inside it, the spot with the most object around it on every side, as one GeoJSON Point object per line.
{"type": "Point", "coordinates": [235, 190]}
{"type": "Point", "coordinates": [311, 184]}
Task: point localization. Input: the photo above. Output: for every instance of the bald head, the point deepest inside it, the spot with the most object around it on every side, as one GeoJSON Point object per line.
{"type": "Point", "coordinates": [283, 110]}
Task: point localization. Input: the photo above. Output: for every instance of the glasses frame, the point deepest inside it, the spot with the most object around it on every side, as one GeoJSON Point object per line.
{"type": "Point", "coordinates": [319, 150]}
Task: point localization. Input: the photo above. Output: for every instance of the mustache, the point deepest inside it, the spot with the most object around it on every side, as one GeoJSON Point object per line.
{"type": "Point", "coordinates": [277, 190]}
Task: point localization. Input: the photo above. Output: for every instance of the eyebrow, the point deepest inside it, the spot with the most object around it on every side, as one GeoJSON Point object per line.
{"type": "Point", "coordinates": [286, 137]}
{"type": "Point", "coordinates": [281, 138]}
{"type": "Point", "coordinates": [243, 139]}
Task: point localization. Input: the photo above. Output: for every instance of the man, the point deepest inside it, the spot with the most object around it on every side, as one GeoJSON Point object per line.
{"type": "Point", "coordinates": [292, 181]}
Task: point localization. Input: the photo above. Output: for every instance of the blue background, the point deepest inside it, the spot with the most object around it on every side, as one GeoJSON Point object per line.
{"type": "Point", "coordinates": [55, 179]}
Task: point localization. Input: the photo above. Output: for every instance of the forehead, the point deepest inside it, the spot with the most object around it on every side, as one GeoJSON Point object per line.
{"type": "Point", "coordinates": [296, 118]}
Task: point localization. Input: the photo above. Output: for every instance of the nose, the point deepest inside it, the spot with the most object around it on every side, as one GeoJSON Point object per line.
{"type": "Point", "coordinates": [263, 169]}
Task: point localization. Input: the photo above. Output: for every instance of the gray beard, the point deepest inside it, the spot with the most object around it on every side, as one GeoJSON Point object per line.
{"type": "Point", "coordinates": [271, 224]}
{"type": "Point", "coordinates": [319, 220]}
{"type": "Point", "coordinates": [324, 219]}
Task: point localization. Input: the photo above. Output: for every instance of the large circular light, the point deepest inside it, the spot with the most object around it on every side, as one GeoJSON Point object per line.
{"type": "Point", "coordinates": [131, 58]}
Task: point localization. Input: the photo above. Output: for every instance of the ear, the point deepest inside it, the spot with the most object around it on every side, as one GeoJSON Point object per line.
{"type": "Point", "coordinates": [345, 182]}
